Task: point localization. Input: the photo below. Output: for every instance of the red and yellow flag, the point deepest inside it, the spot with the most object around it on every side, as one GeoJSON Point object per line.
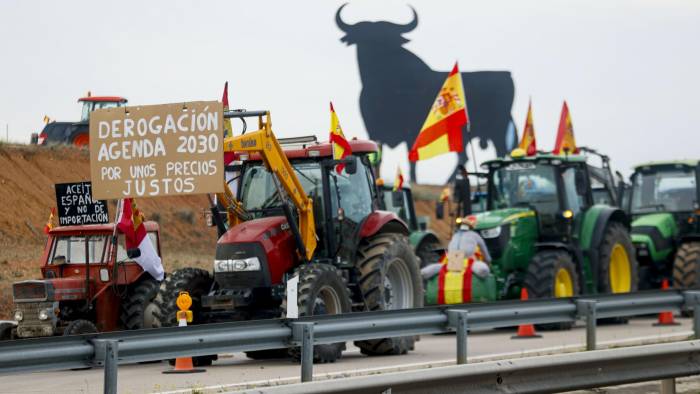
{"type": "Point", "coordinates": [49, 224]}
{"type": "Point", "coordinates": [566, 143]}
{"type": "Point", "coordinates": [398, 182]}
{"type": "Point", "coordinates": [527, 143]}
{"type": "Point", "coordinates": [442, 130]}
{"type": "Point", "coordinates": [341, 147]}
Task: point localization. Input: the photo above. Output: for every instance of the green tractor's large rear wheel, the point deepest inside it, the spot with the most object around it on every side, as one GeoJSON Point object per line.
{"type": "Point", "coordinates": [618, 264]}
{"type": "Point", "coordinates": [552, 274]}
{"type": "Point", "coordinates": [686, 266]}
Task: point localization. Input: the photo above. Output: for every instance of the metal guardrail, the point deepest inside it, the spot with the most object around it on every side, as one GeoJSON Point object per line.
{"type": "Point", "coordinates": [554, 373]}
{"type": "Point", "coordinates": [111, 349]}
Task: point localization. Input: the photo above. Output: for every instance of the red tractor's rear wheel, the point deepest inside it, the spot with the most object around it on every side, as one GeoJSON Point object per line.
{"type": "Point", "coordinates": [138, 307]}
{"type": "Point", "coordinates": [389, 279]}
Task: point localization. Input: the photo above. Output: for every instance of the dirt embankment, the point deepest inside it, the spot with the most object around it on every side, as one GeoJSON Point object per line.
{"type": "Point", "coordinates": [27, 178]}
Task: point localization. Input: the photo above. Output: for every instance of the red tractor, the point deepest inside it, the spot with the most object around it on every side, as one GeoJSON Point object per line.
{"type": "Point", "coordinates": [76, 133]}
{"type": "Point", "coordinates": [87, 286]}
{"type": "Point", "coordinates": [299, 212]}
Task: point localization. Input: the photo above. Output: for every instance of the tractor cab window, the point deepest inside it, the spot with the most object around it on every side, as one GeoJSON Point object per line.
{"type": "Point", "coordinates": [79, 249]}
{"type": "Point", "coordinates": [93, 249]}
{"type": "Point", "coordinates": [353, 192]}
{"type": "Point", "coordinates": [89, 106]}
{"type": "Point", "coordinates": [259, 194]}
{"type": "Point", "coordinates": [525, 184]}
{"type": "Point", "coordinates": [396, 201]}
{"type": "Point", "coordinates": [671, 190]}
{"type": "Point", "coordinates": [575, 189]}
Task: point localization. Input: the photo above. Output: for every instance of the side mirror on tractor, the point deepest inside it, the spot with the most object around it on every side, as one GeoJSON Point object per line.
{"type": "Point", "coordinates": [350, 164]}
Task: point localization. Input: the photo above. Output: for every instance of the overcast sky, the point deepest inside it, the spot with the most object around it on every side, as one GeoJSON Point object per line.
{"type": "Point", "coordinates": [629, 69]}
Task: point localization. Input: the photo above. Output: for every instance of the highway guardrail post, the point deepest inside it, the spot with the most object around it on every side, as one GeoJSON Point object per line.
{"type": "Point", "coordinates": [587, 309]}
{"type": "Point", "coordinates": [303, 334]}
{"type": "Point", "coordinates": [692, 301]}
{"type": "Point", "coordinates": [457, 320]}
{"type": "Point", "coordinates": [107, 355]}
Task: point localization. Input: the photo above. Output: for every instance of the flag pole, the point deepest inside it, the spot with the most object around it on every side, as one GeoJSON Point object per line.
{"type": "Point", "coordinates": [471, 144]}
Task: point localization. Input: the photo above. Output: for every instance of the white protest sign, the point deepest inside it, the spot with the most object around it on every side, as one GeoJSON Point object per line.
{"type": "Point", "coordinates": [157, 150]}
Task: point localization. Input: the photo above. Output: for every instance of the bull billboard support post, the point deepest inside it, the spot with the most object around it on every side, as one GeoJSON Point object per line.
{"type": "Point", "coordinates": [157, 150]}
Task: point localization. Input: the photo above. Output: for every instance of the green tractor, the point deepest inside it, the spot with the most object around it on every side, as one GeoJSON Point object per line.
{"type": "Point", "coordinates": [425, 242]}
{"type": "Point", "coordinates": [663, 204]}
{"type": "Point", "coordinates": [552, 227]}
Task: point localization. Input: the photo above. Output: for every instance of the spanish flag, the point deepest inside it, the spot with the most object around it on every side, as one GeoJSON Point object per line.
{"type": "Point", "coordinates": [135, 237]}
{"type": "Point", "coordinates": [49, 224]}
{"type": "Point", "coordinates": [566, 143]}
{"type": "Point", "coordinates": [398, 182]}
{"type": "Point", "coordinates": [527, 143]}
{"type": "Point", "coordinates": [442, 130]}
{"type": "Point", "coordinates": [341, 147]}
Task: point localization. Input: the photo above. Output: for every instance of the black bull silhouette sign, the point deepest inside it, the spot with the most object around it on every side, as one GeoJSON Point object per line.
{"type": "Point", "coordinates": [398, 89]}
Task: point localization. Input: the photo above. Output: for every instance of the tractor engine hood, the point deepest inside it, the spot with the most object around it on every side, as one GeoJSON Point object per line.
{"type": "Point", "coordinates": [58, 289]}
{"type": "Point", "coordinates": [255, 253]}
{"type": "Point", "coordinates": [653, 235]}
{"type": "Point", "coordinates": [496, 218]}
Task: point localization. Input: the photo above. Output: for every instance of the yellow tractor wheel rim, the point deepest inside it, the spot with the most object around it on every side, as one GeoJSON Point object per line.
{"type": "Point", "coordinates": [563, 285]}
{"type": "Point", "coordinates": [620, 272]}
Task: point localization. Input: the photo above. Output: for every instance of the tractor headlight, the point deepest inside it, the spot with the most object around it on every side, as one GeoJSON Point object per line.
{"type": "Point", "coordinates": [237, 265]}
{"type": "Point", "coordinates": [43, 314]}
{"type": "Point", "coordinates": [491, 232]}
{"type": "Point", "coordinates": [19, 316]}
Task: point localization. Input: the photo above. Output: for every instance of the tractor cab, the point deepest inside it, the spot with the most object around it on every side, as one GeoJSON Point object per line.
{"type": "Point", "coordinates": [548, 212]}
{"type": "Point", "coordinates": [80, 272]}
{"type": "Point", "coordinates": [91, 103]}
{"type": "Point", "coordinates": [663, 204]}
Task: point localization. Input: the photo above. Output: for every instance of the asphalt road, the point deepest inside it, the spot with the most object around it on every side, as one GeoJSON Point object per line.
{"type": "Point", "coordinates": [235, 371]}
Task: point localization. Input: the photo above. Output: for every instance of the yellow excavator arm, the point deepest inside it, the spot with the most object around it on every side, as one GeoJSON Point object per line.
{"type": "Point", "coordinates": [264, 142]}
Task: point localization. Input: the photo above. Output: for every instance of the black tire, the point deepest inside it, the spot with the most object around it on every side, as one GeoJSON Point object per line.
{"type": "Point", "coordinates": [426, 252]}
{"type": "Point", "coordinates": [6, 331]}
{"type": "Point", "coordinates": [269, 354]}
{"type": "Point", "coordinates": [322, 290]}
{"type": "Point", "coordinates": [138, 307]}
{"type": "Point", "coordinates": [196, 282]}
{"type": "Point", "coordinates": [79, 327]}
{"type": "Point", "coordinates": [377, 255]}
{"type": "Point", "coordinates": [616, 234]}
{"type": "Point", "coordinates": [686, 266]}
{"type": "Point", "coordinates": [541, 278]}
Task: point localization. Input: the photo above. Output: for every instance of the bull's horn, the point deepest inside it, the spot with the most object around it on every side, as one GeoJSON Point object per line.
{"type": "Point", "coordinates": [412, 25]}
{"type": "Point", "coordinates": [339, 21]}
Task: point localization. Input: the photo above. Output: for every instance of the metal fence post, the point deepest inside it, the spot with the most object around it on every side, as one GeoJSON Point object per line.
{"type": "Point", "coordinates": [303, 334]}
{"type": "Point", "coordinates": [692, 300]}
{"type": "Point", "coordinates": [587, 309]}
{"type": "Point", "coordinates": [668, 386]}
{"type": "Point", "coordinates": [457, 320]}
{"type": "Point", "coordinates": [107, 355]}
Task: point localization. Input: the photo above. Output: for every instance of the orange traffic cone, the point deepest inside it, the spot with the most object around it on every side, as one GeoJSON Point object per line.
{"type": "Point", "coordinates": [666, 318]}
{"type": "Point", "coordinates": [184, 364]}
{"type": "Point", "coordinates": [525, 330]}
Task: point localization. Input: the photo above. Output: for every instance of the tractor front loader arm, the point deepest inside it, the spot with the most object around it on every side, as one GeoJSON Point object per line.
{"type": "Point", "coordinates": [264, 142]}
